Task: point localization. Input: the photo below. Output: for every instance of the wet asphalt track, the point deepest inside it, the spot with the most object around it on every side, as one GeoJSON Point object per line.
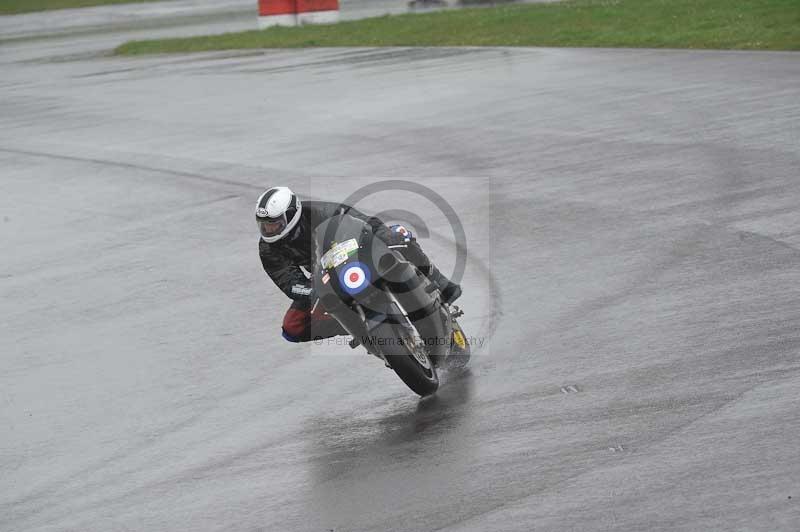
{"type": "Point", "coordinates": [633, 221]}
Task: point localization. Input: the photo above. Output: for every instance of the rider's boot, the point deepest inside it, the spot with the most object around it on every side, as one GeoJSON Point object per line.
{"type": "Point", "coordinates": [450, 291]}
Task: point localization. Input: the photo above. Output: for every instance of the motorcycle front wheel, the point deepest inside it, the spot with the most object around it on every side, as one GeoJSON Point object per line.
{"type": "Point", "coordinates": [406, 353]}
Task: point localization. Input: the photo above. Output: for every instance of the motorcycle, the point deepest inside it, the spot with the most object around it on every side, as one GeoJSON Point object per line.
{"type": "Point", "coordinates": [386, 304]}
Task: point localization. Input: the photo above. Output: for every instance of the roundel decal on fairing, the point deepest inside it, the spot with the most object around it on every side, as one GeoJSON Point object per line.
{"type": "Point", "coordinates": [354, 278]}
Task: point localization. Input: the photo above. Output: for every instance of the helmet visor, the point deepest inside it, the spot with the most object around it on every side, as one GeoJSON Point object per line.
{"type": "Point", "coordinates": [271, 227]}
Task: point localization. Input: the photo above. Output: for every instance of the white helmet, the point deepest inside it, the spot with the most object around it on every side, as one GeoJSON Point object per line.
{"type": "Point", "coordinates": [277, 212]}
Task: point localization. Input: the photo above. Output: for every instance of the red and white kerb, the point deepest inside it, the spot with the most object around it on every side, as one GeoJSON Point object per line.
{"type": "Point", "coordinates": [297, 12]}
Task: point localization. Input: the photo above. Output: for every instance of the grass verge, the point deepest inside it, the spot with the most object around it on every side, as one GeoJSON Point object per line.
{"type": "Point", "coordinates": [716, 24]}
{"type": "Point", "coordinates": [15, 7]}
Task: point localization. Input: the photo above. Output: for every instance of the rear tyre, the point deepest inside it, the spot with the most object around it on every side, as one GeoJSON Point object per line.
{"type": "Point", "coordinates": [407, 355]}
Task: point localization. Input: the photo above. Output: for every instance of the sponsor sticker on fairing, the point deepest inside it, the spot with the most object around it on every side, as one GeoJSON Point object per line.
{"type": "Point", "coordinates": [338, 254]}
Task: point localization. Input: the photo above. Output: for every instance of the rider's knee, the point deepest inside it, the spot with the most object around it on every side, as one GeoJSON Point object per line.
{"type": "Point", "coordinates": [295, 325]}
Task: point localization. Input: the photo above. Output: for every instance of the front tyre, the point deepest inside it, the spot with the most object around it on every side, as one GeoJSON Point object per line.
{"type": "Point", "coordinates": [407, 355]}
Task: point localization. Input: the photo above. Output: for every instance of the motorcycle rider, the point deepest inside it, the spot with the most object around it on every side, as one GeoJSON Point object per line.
{"type": "Point", "coordinates": [286, 225]}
